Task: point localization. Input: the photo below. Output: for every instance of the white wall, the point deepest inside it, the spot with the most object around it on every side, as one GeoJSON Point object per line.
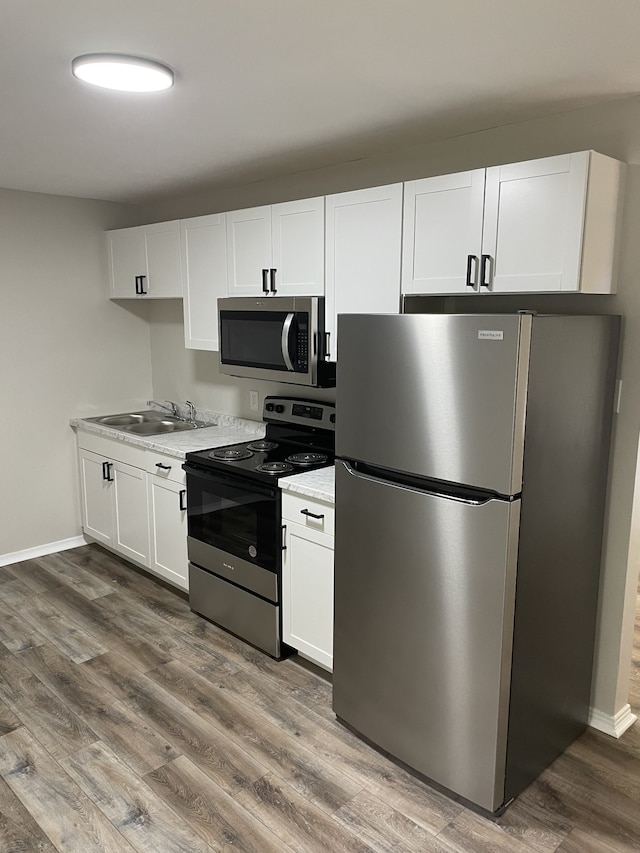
{"type": "Point", "coordinates": [613, 129]}
{"type": "Point", "coordinates": [180, 374]}
{"type": "Point", "coordinates": [65, 350]}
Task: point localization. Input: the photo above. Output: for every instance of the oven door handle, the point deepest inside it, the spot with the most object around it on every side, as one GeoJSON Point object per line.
{"type": "Point", "coordinates": [284, 343]}
{"type": "Point", "coordinates": [228, 479]}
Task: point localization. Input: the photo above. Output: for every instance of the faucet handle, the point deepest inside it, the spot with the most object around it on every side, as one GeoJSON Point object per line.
{"type": "Point", "coordinates": [192, 411]}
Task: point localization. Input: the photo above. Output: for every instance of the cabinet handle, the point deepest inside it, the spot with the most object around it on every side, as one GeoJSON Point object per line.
{"type": "Point", "coordinates": [137, 285]}
{"type": "Point", "coordinates": [106, 471]}
{"type": "Point", "coordinates": [311, 514]}
{"type": "Point", "coordinates": [163, 466]}
{"type": "Point", "coordinates": [272, 274]}
{"type": "Point", "coordinates": [485, 266]}
{"type": "Point", "coordinates": [182, 494]}
{"type": "Point", "coordinates": [265, 281]}
{"type": "Point", "coordinates": [472, 265]}
{"type": "Point", "coordinates": [143, 292]}
{"type": "Point", "coordinates": [284, 537]}
{"type": "Point", "coordinates": [327, 340]}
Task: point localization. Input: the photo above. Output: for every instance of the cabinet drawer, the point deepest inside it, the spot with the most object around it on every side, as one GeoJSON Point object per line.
{"type": "Point", "coordinates": [298, 508]}
{"type": "Point", "coordinates": [165, 467]}
{"type": "Point", "coordinates": [112, 449]}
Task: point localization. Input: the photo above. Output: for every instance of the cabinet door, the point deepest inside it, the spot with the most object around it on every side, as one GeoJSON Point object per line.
{"type": "Point", "coordinates": [364, 242]}
{"type": "Point", "coordinates": [204, 270]}
{"type": "Point", "coordinates": [248, 250]}
{"type": "Point", "coordinates": [131, 512]}
{"type": "Point", "coordinates": [442, 236]}
{"type": "Point", "coordinates": [297, 229]}
{"type": "Point", "coordinates": [307, 593]}
{"type": "Point", "coordinates": [162, 246]}
{"type": "Point", "coordinates": [127, 259]}
{"type": "Point", "coordinates": [534, 215]}
{"type": "Point", "coordinates": [168, 519]}
{"type": "Point", "coordinates": [97, 497]}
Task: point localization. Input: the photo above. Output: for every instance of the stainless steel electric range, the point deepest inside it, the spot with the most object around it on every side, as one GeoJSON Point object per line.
{"type": "Point", "coordinates": [235, 536]}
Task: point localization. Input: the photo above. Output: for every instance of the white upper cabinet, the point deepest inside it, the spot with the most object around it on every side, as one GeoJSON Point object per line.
{"type": "Point", "coordinates": [204, 270]}
{"type": "Point", "coordinates": [545, 225]}
{"type": "Point", "coordinates": [442, 232]}
{"type": "Point", "coordinates": [144, 262]}
{"type": "Point", "coordinates": [277, 249]}
{"type": "Point", "coordinates": [363, 248]}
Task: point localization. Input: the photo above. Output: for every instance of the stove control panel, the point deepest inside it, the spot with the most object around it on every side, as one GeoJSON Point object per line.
{"type": "Point", "coordinates": [295, 410]}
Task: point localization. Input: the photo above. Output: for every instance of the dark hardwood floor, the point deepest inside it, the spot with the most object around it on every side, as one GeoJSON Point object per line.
{"type": "Point", "coordinates": [129, 723]}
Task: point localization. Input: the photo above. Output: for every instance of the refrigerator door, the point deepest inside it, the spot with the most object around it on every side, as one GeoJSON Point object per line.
{"type": "Point", "coordinates": [439, 396]}
{"type": "Point", "coordinates": [424, 603]}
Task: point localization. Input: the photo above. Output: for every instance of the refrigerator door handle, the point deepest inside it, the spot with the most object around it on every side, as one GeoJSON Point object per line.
{"type": "Point", "coordinates": [399, 485]}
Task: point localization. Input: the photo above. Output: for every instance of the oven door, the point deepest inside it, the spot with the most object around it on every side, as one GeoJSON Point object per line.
{"type": "Point", "coordinates": [233, 515]}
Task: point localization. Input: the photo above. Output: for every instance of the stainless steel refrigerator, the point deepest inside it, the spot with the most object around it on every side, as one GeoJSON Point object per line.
{"type": "Point", "coordinates": [470, 489]}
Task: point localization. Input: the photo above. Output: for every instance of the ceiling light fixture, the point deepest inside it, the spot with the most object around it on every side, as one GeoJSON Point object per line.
{"type": "Point", "coordinates": [124, 73]}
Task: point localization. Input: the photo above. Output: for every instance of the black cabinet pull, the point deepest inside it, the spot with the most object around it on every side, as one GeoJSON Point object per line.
{"type": "Point", "coordinates": [182, 495]}
{"type": "Point", "coordinates": [265, 281]}
{"type": "Point", "coordinates": [106, 471]}
{"type": "Point", "coordinates": [485, 268]}
{"type": "Point", "coordinates": [137, 285]}
{"type": "Point", "coordinates": [284, 537]}
{"type": "Point", "coordinates": [163, 466]}
{"type": "Point", "coordinates": [311, 514]}
{"type": "Point", "coordinates": [472, 262]}
{"type": "Point", "coordinates": [143, 292]}
{"type": "Point", "coordinates": [272, 273]}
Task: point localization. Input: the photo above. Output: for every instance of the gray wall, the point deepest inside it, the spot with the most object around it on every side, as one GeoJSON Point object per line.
{"type": "Point", "coordinates": [613, 129]}
{"type": "Point", "coordinates": [65, 350]}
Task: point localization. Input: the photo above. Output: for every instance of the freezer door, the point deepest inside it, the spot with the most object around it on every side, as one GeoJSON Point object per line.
{"type": "Point", "coordinates": [442, 396]}
{"type": "Point", "coordinates": [424, 603]}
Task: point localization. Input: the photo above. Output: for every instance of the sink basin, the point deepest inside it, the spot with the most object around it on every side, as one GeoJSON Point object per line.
{"type": "Point", "coordinates": [149, 422]}
{"type": "Point", "coordinates": [155, 427]}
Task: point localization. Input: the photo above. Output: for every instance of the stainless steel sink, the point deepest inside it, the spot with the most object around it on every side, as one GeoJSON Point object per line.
{"type": "Point", "coordinates": [150, 422]}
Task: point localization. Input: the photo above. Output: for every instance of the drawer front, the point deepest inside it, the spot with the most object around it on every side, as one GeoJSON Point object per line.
{"type": "Point", "coordinates": [112, 449]}
{"type": "Point", "coordinates": [301, 510]}
{"type": "Point", "coordinates": [165, 467]}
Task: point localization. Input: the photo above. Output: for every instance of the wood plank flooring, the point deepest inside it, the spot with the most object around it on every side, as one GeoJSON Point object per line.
{"type": "Point", "coordinates": [128, 723]}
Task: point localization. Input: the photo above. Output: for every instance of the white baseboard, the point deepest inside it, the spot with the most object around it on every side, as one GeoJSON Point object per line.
{"type": "Point", "coordinates": [42, 550]}
{"type": "Point", "coordinates": [615, 725]}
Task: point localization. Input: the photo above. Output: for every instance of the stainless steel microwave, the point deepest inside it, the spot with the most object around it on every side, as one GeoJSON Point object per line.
{"type": "Point", "coordinates": [280, 338]}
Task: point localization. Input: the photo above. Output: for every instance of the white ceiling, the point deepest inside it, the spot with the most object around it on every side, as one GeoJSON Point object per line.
{"type": "Point", "coordinates": [270, 87]}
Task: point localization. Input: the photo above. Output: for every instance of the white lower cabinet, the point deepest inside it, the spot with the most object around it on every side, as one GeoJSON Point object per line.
{"type": "Point", "coordinates": [307, 577]}
{"type": "Point", "coordinates": [133, 502]}
{"type": "Point", "coordinates": [168, 520]}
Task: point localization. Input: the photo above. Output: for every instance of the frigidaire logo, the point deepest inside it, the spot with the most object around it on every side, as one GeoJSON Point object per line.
{"type": "Point", "coordinates": [227, 566]}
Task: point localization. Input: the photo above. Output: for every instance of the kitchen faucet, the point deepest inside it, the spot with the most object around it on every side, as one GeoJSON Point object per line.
{"type": "Point", "coordinates": [174, 410]}
{"type": "Point", "coordinates": [192, 412]}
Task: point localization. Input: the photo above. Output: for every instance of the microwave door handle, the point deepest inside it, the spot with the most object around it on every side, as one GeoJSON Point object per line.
{"type": "Point", "coordinates": [286, 331]}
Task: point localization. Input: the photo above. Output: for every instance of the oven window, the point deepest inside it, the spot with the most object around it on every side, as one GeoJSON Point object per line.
{"type": "Point", "coordinates": [242, 520]}
{"type": "Point", "coordinates": [254, 338]}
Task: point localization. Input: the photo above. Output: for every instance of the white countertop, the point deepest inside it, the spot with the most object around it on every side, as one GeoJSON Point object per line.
{"type": "Point", "coordinates": [225, 430]}
{"type": "Point", "coordinates": [318, 484]}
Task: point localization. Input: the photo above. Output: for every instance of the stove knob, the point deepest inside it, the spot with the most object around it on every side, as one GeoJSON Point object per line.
{"type": "Point", "coordinates": [269, 407]}
{"type": "Point", "coordinates": [280, 408]}
{"type": "Point", "coordinates": [332, 419]}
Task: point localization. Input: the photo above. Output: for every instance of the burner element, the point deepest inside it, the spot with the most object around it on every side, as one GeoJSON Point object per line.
{"type": "Point", "coordinates": [307, 458]}
{"type": "Point", "coordinates": [231, 454]}
{"type": "Point", "coordinates": [262, 445]}
{"type": "Point", "coordinates": [275, 467]}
